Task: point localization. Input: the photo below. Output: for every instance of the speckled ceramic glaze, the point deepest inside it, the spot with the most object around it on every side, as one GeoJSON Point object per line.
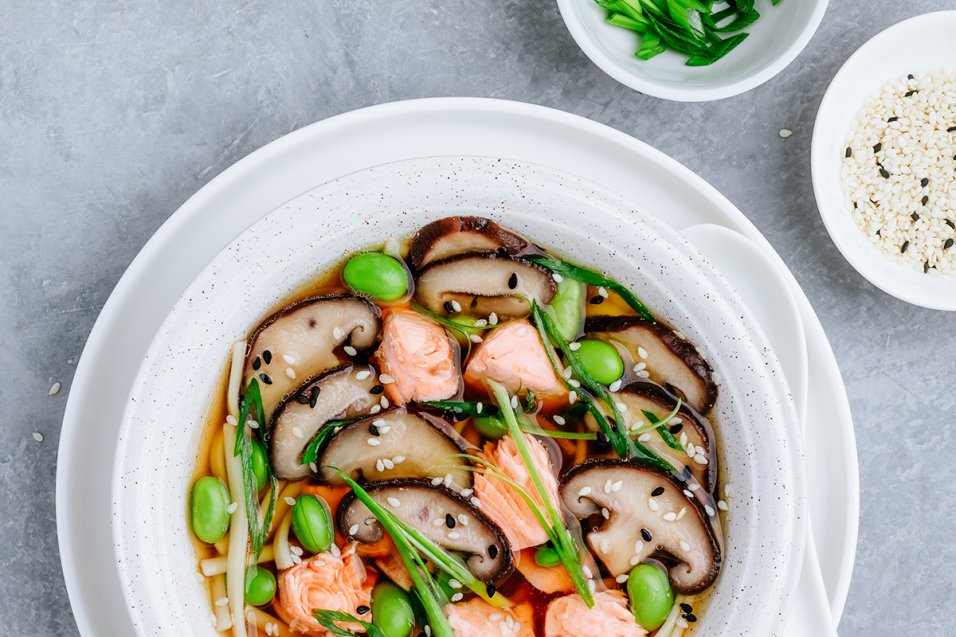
{"type": "Point", "coordinates": [757, 428]}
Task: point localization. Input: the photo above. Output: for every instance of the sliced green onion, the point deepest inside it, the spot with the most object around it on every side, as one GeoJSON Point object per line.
{"type": "Point", "coordinates": [258, 528]}
{"type": "Point", "coordinates": [463, 407]}
{"type": "Point", "coordinates": [315, 445]}
{"type": "Point", "coordinates": [329, 619]}
{"type": "Point", "coordinates": [593, 278]}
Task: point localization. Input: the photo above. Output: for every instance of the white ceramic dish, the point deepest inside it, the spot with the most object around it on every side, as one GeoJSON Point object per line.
{"type": "Point", "coordinates": [920, 44]}
{"type": "Point", "coordinates": [325, 150]}
{"type": "Point", "coordinates": [760, 438]}
{"type": "Point", "coordinates": [775, 40]}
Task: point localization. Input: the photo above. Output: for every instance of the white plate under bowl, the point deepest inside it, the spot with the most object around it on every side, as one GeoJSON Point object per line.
{"type": "Point", "coordinates": [756, 424]}
{"type": "Point", "coordinates": [775, 40]}
{"type": "Point", "coordinates": [918, 45]}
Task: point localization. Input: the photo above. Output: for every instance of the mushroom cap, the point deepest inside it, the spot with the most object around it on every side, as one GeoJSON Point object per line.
{"type": "Point", "coordinates": [302, 337]}
{"type": "Point", "coordinates": [483, 283]}
{"type": "Point", "coordinates": [413, 445]}
{"type": "Point", "coordinates": [440, 514]}
{"type": "Point", "coordinates": [452, 236]}
{"type": "Point", "coordinates": [641, 525]}
{"type": "Point", "coordinates": [672, 360]}
{"type": "Point", "coordinates": [334, 394]}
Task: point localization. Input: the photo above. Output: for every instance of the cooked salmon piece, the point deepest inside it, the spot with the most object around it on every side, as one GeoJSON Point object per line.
{"type": "Point", "coordinates": [547, 579]}
{"type": "Point", "coordinates": [514, 356]}
{"type": "Point", "coordinates": [569, 616]}
{"type": "Point", "coordinates": [503, 504]}
{"type": "Point", "coordinates": [478, 618]}
{"type": "Point", "coordinates": [419, 356]}
{"type": "Point", "coordinates": [324, 581]}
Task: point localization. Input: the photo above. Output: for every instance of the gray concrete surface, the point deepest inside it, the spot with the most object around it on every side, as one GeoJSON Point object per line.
{"type": "Point", "coordinates": [113, 112]}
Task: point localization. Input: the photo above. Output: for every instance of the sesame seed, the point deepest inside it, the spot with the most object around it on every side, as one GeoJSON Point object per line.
{"type": "Point", "coordinates": [337, 333]}
{"type": "Point", "coordinates": [653, 505]}
{"type": "Point", "coordinates": [379, 465]}
{"type": "Point", "coordinates": [481, 322]}
{"type": "Point", "coordinates": [384, 429]}
{"type": "Point", "coordinates": [38, 436]}
{"type": "Point", "coordinates": [684, 545]}
{"type": "Point", "coordinates": [616, 385]}
{"type": "Point", "coordinates": [559, 420]}
{"type": "Point", "coordinates": [353, 529]}
{"type": "Point", "coordinates": [617, 486]}
{"type": "Point", "coordinates": [682, 513]}
{"type": "Point", "coordinates": [222, 601]}
{"type": "Point", "coordinates": [647, 535]}
{"type": "Point", "coordinates": [557, 277]}
{"type": "Point", "coordinates": [584, 491]}
{"type": "Point", "coordinates": [605, 513]}
{"type": "Point", "coordinates": [620, 579]}
{"type": "Point", "coordinates": [603, 292]}
{"type": "Point", "coordinates": [375, 409]}
{"type": "Point", "coordinates": [456, 306]}
{"type": "Point", "coordinates": [454, 583]}
{"type": "Point", "coordinates": [644, 437]}
{"type": "Point", "coordinates": [398, 459]}
{"type": "Point", "coordinates": [385, 379]}
{"type": "Point", "coordinates": [454, 535]}
{"type": "Point", "coordinates": [362, 375]}
{"type": "Point", "coordinates": [575, 346]}
{"type": "Point", "coordinates": [475, 502]}
{"type": "Point", "coordinates": [642, 352]}
{"type": "Point", "coordinates": [393, 501]}
{"type": "Point", "coordinates": [709, 511]}
{"type": "Point", "coordinates": [722, 505]}
{"type": "Point", "coordinates": [670, 516]}
{"type": "Point", "coordinates": [785, 133]}
{"type": "Point", "coordinates": [351, 351]}
{"type": "Point", "coordinates": [467, 492]}
{"type": "Point", "coordinates": [463, 519]}
{"type": "Point", "coordinates": [492, 319]}
{"type": "Point", "coordinates": [54, 389]}
{"type": "Point", "coordinates": [297, 432]}
{"type": "Point", "coordinates": [289, 500]}
{"type": "Point", "coordinates": [607, 486]}
{"type": "Point", "coordinates": [436, 482]}
{"type": "Point", "coordinates": [639, 546]}
{"type": "Point", "coordinates": [374, 442]}
{"type": "Point", "coordinates": [290, 372]}
{"type": "Point", "coordinates": [474, 338]}
{"type": "Point", "coordinates": [290, 359]}
{"type": "Point", "coordinates": [231, 420]}
{"type": "Point", "coordinates": [572, 396]}
{"type": "Point", "coordinates": [438, 522]}
{"type": "Point", "coordinates": [689, 494]}
{"type": "Point", "coordinates": [635, 560]}
{"type": "Point", "coordinates": [457, 597]}
{"type": "Point", "coordinates": [701, 459]}
{"type": "Point", "coordinates": [232, 508]}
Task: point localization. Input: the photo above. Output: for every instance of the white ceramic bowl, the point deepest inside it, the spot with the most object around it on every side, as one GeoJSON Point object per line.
{"type": "Point", "coordinates": [775, 40]}
{"type": "Point", "coordinates": [758, 430]}
{"type": "Point", "coordinates": [920, 44]}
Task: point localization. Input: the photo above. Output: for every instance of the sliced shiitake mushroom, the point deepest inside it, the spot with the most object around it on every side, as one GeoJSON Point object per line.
{"type": "Point", "coordinates": [441, 515]}
{"type": "Point", "coordinates": [342, 392]}
{"type": "Point", "coordinates": [298, 342]}
{"type": "Point", "coordinates": [452, 236]}
{"type": "Point", "coordinates": [648, 516]}
{"type": "Point", "coordinates": [395, 444]}
{"type": "Point", "coordinates": [672, 360]}
{"type": "Point", "coordinates": [479, 284]}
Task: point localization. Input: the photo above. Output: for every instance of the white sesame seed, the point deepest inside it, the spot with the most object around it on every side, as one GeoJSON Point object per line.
{"type": "Point", "coordinates": [670, 516]}
{"type": "Point", "coordinates": [289, 500]}
{"type": "Point", "coordinates": [290, 372]}
{"type": "Point", "coordinates": [466, 493]}
{"type": "Point", "coordinates": [296, 559]}
{"type": "Point", "coordinates": [567, 372]}
{"type": "Point", "coordinates": [682, 513]}
{"type": "Point", "coordinates": [384, 429]}
{"type": "Point", "coordinates": [492, 319]}
{"type": "Point", "coordinates": [572, 397]}
{"type": "Point", "coordinates": [653, 505]}
{"type": "Point", "coordinates": [463, 519]}
{"type": "Point", "coordinates": [616, 385]}
{"type": "Point", "coordinates": [374, 442]}
{"type": "Point", "coordinates": [681, 622]}
{"type": "Point", "coordinates": [709, 510]}
{"type": "Point", "coordinates": [436, 482]}
{"type": "Point", "coordinates": [475, 502]}
{"type": "Point", "coordinates": [638, 547]}
{"type": "Point", "coordinates": [620, 579]}
{"type": "Point", "coordinates": [635, 560]}
{"type": "Point", "coordinates": [605, 545]}
{"type": "Point", "coordinates": [297, 432]}
{"type": "Point", "coordinates": [438, 522]}
{"type": "Point", "coordinates": [351, 351]}
{"type": "Point", "coordinates": [398, 459]}
{"type": "Point", "coordinates": [587, 571]}
{"type": "Point", "coordinates": [605, 513]}
{"type": "Point", "coordinates": [607, 486]}
{"type": "Point", "coordinates": [785, 133]}
{"type": "Point", "coordinates": [689, 494]}
{"type": "Point", "coordinates": [574, 383]}
{"type": "Point", "coordinates": [231, 420]}
{"type": "Point", "coordinates": [454, 535]}
{"type": "Point", "coordinates": [481, 322]}
{"type": "Point", "coordinates": [575, 346]}
{"type": "Point", "coordinates": [428, 630]}
{"type": "Point", "coordinates": [617, 486]}
{"type": "Point", "coordinates": [337, 333]}
{"type": "Point", "coordinates": [393, 501]}
{"type": "Point", "coordinates": [479, 407]}
{"type": "Point", "coordinates": [474, 338]}
{"type": "Point", "coordinates": [353, 529]}
{"type": "Point", "coordinates": [727, 490]}
{"type": "Point", "coordinates": [557, 277]}
{"type": "Point", "coordinates": [457, 597]}
{"type": "Point", "coordinates": [644, 437]}
{"type": "Point", "coordinates": [602, 291]}
{"type": "Point", "coordinates": [222, 601]}
{"type": "Point", "coordinates": [379, 465]}
{"type": "Point", "coordinates": [559, 420]}
{"type": "Point", "coordinates": [722, 505]}
{"type": "Point", "coordinates": [232, 508]}
{"type": "Point", "coordinates": [335, 550]}
{"type": "Point", "coordinates": [642, 352]}
{"type": "Point", "coordinates": [388, 464]}
{"type": "Point", "coordinates": [701, 459]}
{"type": "Point", "coordinates": [38, 436]}
{"type": "Point", "coordinates": [693, 486]}
{"type": "Point", "coordinates": [514, 402]}
{"type": "Point", "coordinates": [584, 491]}
{"type": "Point", "coordinates": [375, 409]}
{"type": "Point", "coordinates": [591, 585]}
{"type": "Point", "coordinates": [289, 359]}
{"type": "Point", "coordinates": [362, 375]}
{"type": "Point", "coordinates": [620, 406]}
{"type": "Point", "coordinates": [252, 424]}
{"type": "Point", "coordinates": [643, 374]}
{"type": "Point", "coordinates": [314, 467]}
{"type": "Point", "coordinates": [454, 583]}
{"type": "Point", "coordinates": [494, 617]}
{"type": "Point", "coordinates": [447, 479]}
{"type": "Point", "coordinates": [385, 379]}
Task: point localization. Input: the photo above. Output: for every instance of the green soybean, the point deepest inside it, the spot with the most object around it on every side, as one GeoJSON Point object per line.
{"type": "Point", "coordinates": [209, 505]}
{"type": "Point", "coordinates": [260, 586]}
{"type": "Point", "coordinates": [568, 307]}
{"type": "Point", "coordinates": [600, 360]}
{"type": "Point", "coordinates": [651, 596]}
{"type": "Point", "coordinates": [546, 556]}
{"type": "Point", "coordinates": [377, 275]}
{"type": "Point", "coordinates": [490, 427]}
{"type": "Point", "coordinates": [392, 610]}
{"type": "Point", "coordinates": [312, 523]}
{"type": "Point", "coordinates": [260, 464]}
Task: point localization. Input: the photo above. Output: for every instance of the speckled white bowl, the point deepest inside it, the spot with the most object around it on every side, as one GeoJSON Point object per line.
{"type": "Point", "coordinates": [758, 430]}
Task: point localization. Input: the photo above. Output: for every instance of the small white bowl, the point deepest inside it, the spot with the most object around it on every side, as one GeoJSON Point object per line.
{"type": "Point", "coordinates": [775, 40]}
{"type": "Point", "coordinates": [921, 44]}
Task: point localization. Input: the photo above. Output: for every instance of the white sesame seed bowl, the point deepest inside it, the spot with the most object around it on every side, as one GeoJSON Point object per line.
{"type": "Point", "coordinates": [775, 40]}
{"type": "Point", "coordinates": [762, 457]}
{"type": "Point", "coordinates": [883, 160]}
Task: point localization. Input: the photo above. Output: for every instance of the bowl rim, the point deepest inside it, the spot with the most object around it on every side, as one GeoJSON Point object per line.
{"type": "Point", "coordinates": [707, 274]}
{"type": "Point", "coordinates": [867, 260]}
{"type": "Point", "coordinates": [607, 64]}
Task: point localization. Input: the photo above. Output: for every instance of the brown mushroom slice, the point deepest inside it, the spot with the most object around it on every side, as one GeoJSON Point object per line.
{"type": "Point", "coordinates": [395, 444]}
{"type": "Point", "coordinates": [298, 342]}
{"type": "Point", "coordinates": [692, 429]}
{"type": "Point", "coordinates": [648, 517]}
{"type": "Point", "coordinates": [441, 515]}
{"type": "Point", "coordinates": [342, 392]}
{"type": "Point", "coordinates": [671, 360]}
{"type": "Point", "coordinates": [452, 236]}
{"type": "Point", "coordinates": [479, 284]}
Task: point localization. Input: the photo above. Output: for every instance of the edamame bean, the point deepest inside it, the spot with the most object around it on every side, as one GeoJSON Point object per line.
{"type": "Point", "coordinates": [546, 556]}
{"type": "Point", "coordinates": [209, 504]}
{"type": "Point", "coordinates": [377, 275]}
{"type": "Point", "coordinates": [260, 464]}
{"type": "Point", "coordinates": [568, 307]}
{"type": "Point", "coordinates": [651, 595]}
{"type": "Point", "coordinates": [312, 523]}
{"type": "Point", "coordinates": [392, 611]}
{"type": "Point", "coordinates": [260, 586]}
{"type": "Point", "coordinates": [491, 427]}
{"type": "Point", "coordinates": [600, 360]}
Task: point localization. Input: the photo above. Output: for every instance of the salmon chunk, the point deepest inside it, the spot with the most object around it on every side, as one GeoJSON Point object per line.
{"type": "Point", "coordinates": [478, 618]}
{"type": "Point", "coordinates": [503, 504]}
{"type": "Point", "coordinates": [569, 616]}
{"type": "Point", "coordinates": [419, 356]}
{"type": "Point", "coordinates": [326, 582]}
{"type": "Point", "coordinates": [514, 356]}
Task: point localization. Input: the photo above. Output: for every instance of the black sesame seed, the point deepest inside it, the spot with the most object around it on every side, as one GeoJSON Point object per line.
{"type": "Point", "coordinates": [892, 119]}
{"type": "Point", "coordinates": [492, 551]}
{"type": "Point", "coordinates": [903, 247]}
{"type": "Point", "coordinates": [265, 378]}
{"type": "Point", "coordinates": [314, 395]}
{"type": "Point", "coordinates": [691, 617]}
{"type": "Point", "coordinates": [687, 608]}
{"type": "Point", "coordinates": [378, 389]}
{"type": "Point", "coordinates": [910, 92]}
{"type": "Point", "coordinates": [449, 520]}
{"type": "Point", "coordinates": [257, 363]}
{"type": "Point", "coordinates": [361, 610]}
{"type": "Point", "coordinates": [597, 299]}
{"type": "Point", "coordinates": [267, 356]}
{"type": "Point", "coordinates": [658, 491]}
{"type": "Point", "coordinates": [925, 200]}
{"type": "Point", "coordinates": [951, 129]}
{"type": "Point", "coordinates": [879, 233]}
{"type": "Point", "coordinates": [924, 182]}
{"type": "Point", "coordinates": [910, 77]}
{"type": "Point", "coordinates": [601, 439]}
{"type": "Point", "coordinates": [372, 429]}
{"type": "Point", "coordinates": [302, 399]}
{"type": "Point", "coordinates": [925, 267]}
{"type": "Point", "coordinates": [513, 280]}
{"type": "Point", "coordinates": [646, 535]}
{"type": "Point", "coordinates": [877, 147]}
{"type": "Point", "coordinates": [948, 244]}
{"type": "Point", "coordinates": [949, 222]}
{"type": "Point", "coordinates": [849, 152]}
{"type": "Point", "coordinates": [449, 308]}
{"type": "Point", "coordinates": [884, 173]}
{"type": "Point", "coordinates": [915, 216]}
{"type": "Point", "coordinates": [491, 590]}
{"type": "Point", "coordinates": [675, 429]}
